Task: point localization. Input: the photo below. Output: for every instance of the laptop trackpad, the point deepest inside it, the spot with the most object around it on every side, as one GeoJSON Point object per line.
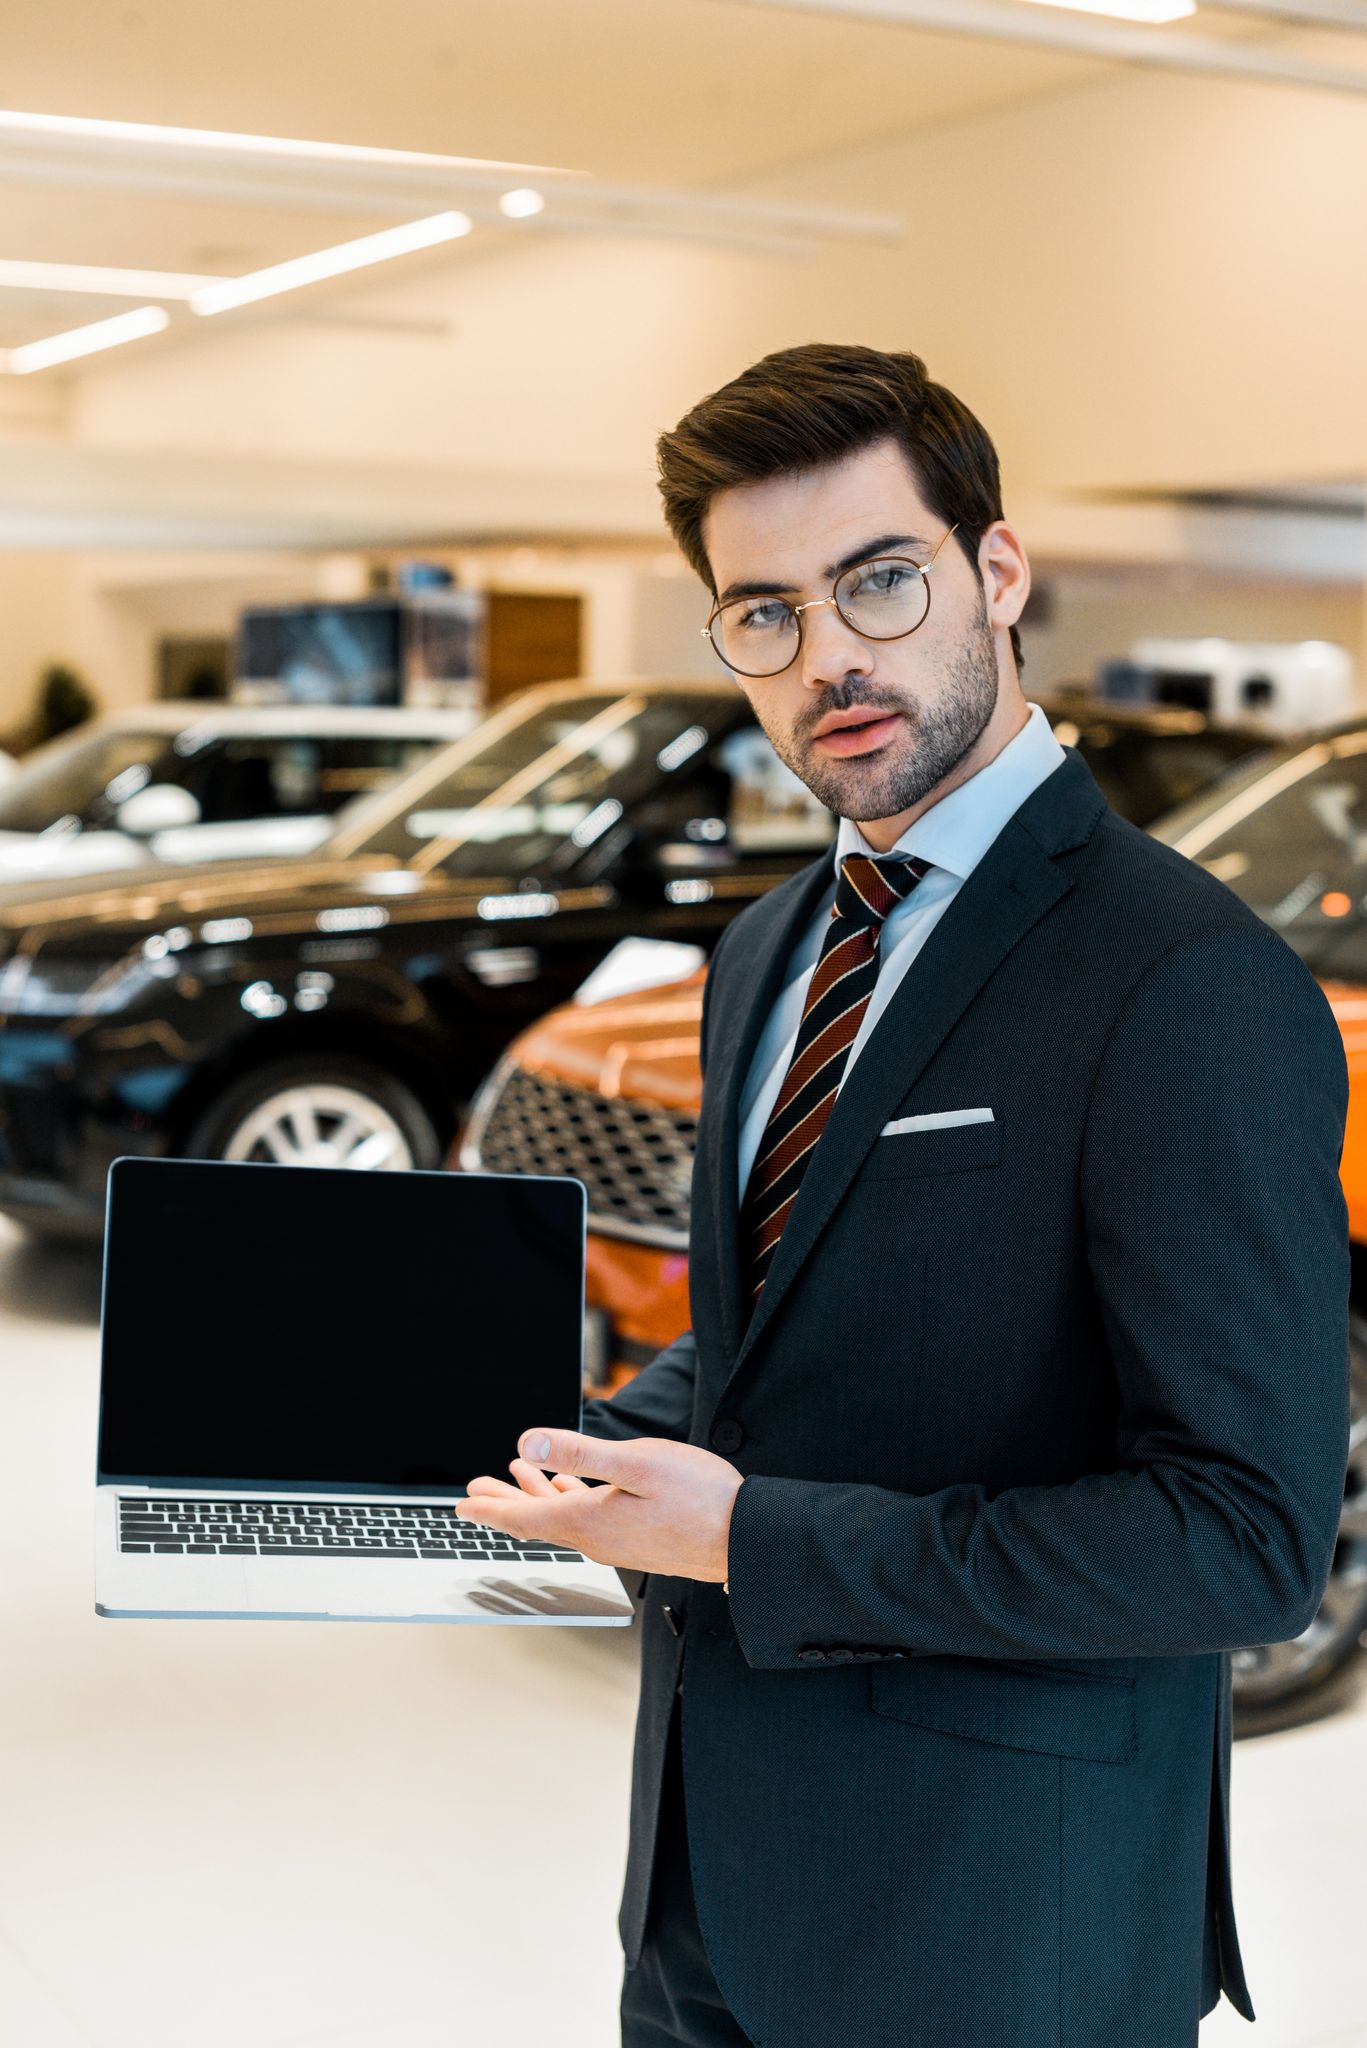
{"type": "Point", "coordinates": [434, 1591]}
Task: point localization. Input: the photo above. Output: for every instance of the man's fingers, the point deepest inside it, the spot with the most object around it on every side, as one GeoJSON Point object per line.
{"type": "Point", "coordinates": [493, 1487]}
{"type": "Point", "coordinates": [518, 1514]}
{"type": "Point", "coordinates": [567, 1450]}
{"type": "Point", "coordinates": [565, 1482]}
{"type": "Point", "coordinates": [498, 1514]}
{"type": "Point", "coordinates": [529, 1477]}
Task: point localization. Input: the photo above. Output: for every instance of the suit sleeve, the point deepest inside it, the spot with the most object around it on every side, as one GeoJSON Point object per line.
{"type": "Point", "coordinates": [1216, 1235]}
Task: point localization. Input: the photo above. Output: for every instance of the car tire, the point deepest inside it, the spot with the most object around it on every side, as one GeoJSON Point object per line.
{"type": "Point", "coordinates": [1285, 1685]}
{"type": "Point", "coordinates": [331, 1111]}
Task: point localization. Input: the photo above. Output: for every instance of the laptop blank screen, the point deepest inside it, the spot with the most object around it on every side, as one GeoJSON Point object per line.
{"type": "Point", "coordinates": [299, 1326]}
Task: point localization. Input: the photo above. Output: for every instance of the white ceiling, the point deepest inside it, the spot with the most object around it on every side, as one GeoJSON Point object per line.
{"type": "Point", "coordinates": [698, 95]}
{"type": "Point", "coordinates": [693, 95]}
{"type": "Point", "coordinates": [675, 92]}
{"type": "Point", "coordinates": [705, 97]}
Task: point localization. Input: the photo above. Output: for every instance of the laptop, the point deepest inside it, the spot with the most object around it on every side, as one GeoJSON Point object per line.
{"type": "Point", "coordinates": [301, 1369]}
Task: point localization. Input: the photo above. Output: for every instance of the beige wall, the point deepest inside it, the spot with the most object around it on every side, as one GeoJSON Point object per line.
{"type": "Point", "coordinates": [35, 626]}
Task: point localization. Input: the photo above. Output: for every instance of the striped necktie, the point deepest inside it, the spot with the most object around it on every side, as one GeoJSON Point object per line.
{"type": "Point", "coordinates": [837, 997]}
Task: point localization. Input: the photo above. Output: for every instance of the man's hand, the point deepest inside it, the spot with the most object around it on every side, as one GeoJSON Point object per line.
{"type": "Point", "coordinates": [666, 1507]}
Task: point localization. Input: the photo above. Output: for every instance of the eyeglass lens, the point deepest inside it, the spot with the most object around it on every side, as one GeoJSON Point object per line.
{"type": "Point", "coordinates": [881, 599]}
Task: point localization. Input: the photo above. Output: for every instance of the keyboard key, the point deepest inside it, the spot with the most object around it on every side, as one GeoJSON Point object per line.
{"type": "Point", "coordinates": [178, 1548]}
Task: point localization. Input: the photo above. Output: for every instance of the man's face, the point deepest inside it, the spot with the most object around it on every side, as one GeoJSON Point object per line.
{"type": "Point", "coordinates": [923, 702]}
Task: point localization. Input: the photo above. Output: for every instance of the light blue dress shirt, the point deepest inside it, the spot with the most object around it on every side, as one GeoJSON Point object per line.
{"type": "Point", "coordinates": [953, 834]}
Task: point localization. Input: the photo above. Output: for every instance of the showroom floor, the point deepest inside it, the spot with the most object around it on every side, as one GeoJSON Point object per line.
{"type": "Point", "coordinates": [295, 1834]}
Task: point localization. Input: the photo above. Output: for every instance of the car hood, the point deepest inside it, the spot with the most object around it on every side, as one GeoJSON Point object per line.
{"type": "Point", "coordinates": [154, 895]}
{"type": "Point", "coordinates": [643, 1046]}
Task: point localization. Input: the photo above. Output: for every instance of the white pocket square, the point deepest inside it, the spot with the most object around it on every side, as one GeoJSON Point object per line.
{"type": "Point", "coordinates": [937, 1120]}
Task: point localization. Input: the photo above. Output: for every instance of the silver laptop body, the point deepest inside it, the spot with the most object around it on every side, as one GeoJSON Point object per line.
{"type": "Point", "coordinates": [301, 1370]}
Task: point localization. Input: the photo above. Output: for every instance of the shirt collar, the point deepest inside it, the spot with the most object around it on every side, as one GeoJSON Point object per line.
{"type": "Point", "coordinates": [956, 832]}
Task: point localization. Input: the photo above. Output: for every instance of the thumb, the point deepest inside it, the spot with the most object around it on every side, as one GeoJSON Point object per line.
{"type": "Point", "coordinates": [588, 1457]}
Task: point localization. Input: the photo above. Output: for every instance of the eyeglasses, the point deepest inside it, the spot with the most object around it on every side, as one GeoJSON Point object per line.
{"type": "Point", "coordinates": [884, 598]}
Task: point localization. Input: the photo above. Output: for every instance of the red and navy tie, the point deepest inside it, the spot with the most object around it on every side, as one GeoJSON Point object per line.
{"type": "Point", "coordinates": [837, 997]}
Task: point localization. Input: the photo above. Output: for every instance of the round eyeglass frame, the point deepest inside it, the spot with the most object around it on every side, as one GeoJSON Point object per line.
{"type": "Point", "coordinates": [923, 569]}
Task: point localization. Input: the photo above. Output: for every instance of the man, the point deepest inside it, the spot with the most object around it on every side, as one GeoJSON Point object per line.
{"type": "Point", "coordinates": [1017, 1389]}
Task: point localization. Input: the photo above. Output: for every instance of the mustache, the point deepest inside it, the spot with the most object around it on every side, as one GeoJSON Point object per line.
{"type": "Point", "coordinates": [843, 698]}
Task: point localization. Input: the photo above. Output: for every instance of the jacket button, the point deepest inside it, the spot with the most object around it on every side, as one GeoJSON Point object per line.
{"type": "Point", "coordinates": [672, 1618]}
{"type": "Point", "coordinates": [727, 1436]}
{"type": "Point", "coordinates": [811, 1656]}
{"type": "Point", "coordinates": [868, 1656]}
{"type": "Point", "coordinates": [840, 1655]}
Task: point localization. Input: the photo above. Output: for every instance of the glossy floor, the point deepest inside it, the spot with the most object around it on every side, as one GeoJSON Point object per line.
{"type": "Point", "coordinates": [291, 1834]}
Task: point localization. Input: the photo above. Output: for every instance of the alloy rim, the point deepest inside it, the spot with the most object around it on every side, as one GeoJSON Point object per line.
{"type": "Point", "coordinates": [321, 1124]}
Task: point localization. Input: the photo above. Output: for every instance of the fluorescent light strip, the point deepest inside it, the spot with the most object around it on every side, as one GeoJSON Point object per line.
{"type": "Point", "coordinates": [1124, 10]}
{"type": "Point", "coordinates": [86, 341]}
{"type": "Point", "coordinates": [147, 134]}
{"type": "Point", "coordinates": [102, 282]}
{"type": "Point", "coordinates": [334, 262]}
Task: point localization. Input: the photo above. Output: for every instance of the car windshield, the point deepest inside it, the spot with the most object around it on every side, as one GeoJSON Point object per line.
{"type": "Point", "coordinates": [1144, 773]}
{"type": "Point", "coordinates": [1290, 838]}
{"type": "Point", "coordinates": [80, 777]}
{"type": "Point", "coordinates": [533, 793]}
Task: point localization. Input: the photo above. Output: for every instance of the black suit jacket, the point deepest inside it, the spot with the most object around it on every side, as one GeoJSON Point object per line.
{"type": "Point", "coordinates": [1039, 1418]}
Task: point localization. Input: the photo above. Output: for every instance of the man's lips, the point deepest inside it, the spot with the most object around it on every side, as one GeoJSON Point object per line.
{"type": "Point", "coordinates": [859, 739]}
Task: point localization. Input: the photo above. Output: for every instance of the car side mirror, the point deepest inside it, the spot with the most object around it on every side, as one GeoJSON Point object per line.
{"type": "Point", "coordinates": [160, 808]}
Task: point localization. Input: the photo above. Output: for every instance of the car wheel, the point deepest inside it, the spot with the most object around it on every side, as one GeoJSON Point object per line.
{"type": "Point", "coordinates": [1282, 1685]}
{"type": "Point", "coordinates": [334, 1112]}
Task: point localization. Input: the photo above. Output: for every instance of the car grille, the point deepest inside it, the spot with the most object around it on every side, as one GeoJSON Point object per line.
{"type": "Point", "coordinates": [635, 1158]}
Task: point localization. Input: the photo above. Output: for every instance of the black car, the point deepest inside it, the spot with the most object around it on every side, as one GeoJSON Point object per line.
{"type": "Point", "coordinates": [1148, 758]}
{"type": "Point", "coordinates": [342, 1008]}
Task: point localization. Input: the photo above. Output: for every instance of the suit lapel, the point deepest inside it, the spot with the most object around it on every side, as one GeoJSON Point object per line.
{"type": "Point", "coordinates": [1018, 880]}
{"type": "Point", "coordinates": [791, 908]}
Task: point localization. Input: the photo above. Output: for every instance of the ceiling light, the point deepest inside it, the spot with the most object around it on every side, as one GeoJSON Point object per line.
{"type": "Point", "coordinates": [334, 262]}
{"type": "Point", "coordinates": [96, 278]}
{"type": "Point", "coordinates": [152, 134]}
{"type": "Point", "coordinates": [85, 341]}
{"type": "Point", "coordinates": [521, 204]}
{"type": "Point", "coordinates": [1125, 10]}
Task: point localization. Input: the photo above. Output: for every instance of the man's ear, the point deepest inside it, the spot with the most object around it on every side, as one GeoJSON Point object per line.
{"type": "Point", "coordinates": [1005, 570]}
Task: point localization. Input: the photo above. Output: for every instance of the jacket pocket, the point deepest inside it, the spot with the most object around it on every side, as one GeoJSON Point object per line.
{"type": "Point", "coordinates": [950, 1149]}
{"type": "Point", "coordinates": [1061, 1712]}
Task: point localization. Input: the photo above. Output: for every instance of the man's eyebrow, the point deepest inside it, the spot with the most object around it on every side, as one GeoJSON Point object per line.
{"type": "Point", "coordinates": [884, 543]}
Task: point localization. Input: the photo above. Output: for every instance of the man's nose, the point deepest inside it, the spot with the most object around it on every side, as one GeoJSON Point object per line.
{"type": "Point", "coordinates": [831, 650]}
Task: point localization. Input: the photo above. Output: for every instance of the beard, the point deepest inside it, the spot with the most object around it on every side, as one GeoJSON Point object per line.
{"type": "Point", "coordinates": [910, 766]}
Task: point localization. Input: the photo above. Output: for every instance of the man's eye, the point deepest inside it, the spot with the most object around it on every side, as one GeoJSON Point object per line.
{"type": "Point", "coordinates": [883, 579]}
{"type": "Point", "coordinates": [761, 617]}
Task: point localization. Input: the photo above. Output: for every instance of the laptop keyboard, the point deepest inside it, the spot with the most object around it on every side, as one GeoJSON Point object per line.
{"type": "Point", "coordinates": [328, 1528]}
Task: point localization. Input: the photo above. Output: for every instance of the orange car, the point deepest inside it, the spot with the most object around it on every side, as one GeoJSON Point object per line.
{"type": "Point", "coordinates": [609, 1092]}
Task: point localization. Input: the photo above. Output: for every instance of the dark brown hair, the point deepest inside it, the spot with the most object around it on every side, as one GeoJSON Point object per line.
{"type": "Point", "coordinates": [803, 407]}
